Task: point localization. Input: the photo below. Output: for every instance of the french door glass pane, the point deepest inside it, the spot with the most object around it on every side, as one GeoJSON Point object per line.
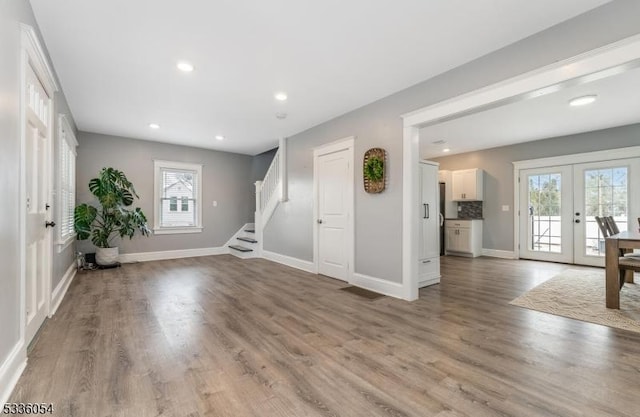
{"type": "Point", "coordinates": [545, 231]}
{"type": "Point", "coordinates": [606, 194]}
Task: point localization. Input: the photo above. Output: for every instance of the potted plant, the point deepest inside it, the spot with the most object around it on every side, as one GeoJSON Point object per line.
{"type": "Point", "coordinates": [113, 217]}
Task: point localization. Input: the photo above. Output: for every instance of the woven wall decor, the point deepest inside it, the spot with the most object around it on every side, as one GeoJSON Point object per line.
{"type": "Point", "coordinates": [374, 170]}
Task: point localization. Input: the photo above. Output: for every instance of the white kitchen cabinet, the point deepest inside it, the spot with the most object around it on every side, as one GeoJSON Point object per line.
{"type": "Point", "coordinates": [463, 237]}
{"type": "Point", "coordinates": [467, 184]}
{"type": "Point", "coordinates": [429, 249]}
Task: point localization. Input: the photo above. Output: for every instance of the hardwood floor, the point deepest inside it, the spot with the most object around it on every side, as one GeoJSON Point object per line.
{"type": "Point", "coordinates": [220, 336]}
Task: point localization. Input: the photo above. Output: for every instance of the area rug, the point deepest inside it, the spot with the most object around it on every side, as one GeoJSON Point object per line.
{"type": "Point", "coordinates": [580, 295]}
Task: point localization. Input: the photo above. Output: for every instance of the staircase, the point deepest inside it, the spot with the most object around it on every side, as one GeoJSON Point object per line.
{"type": "Point", "coordinates": [247, 243]}
{"type": "Point", "coordinates": [246, 246]}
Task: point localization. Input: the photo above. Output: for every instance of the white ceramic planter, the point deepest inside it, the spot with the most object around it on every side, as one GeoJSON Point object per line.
{"type": "Point", "coordinates": [107, 256]}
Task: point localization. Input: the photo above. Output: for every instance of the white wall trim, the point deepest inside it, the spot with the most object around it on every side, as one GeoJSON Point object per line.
{"type": "Point", "coordinates": [496, 253]}
{"type": "Point", "coordinates": [336, 146]}
{"type": "Point", "coordinates": [382, 286]}
{"type": "Point", "coordinates": [61, 289]}
{"type": "Point", "coordinates": [10, 371]}
{"type": "Point", "coordinates": [579, 158]}
{"type": "Point", "coordinates": [171, 254]}
{"type": "Point", "coordinates": [38, 59]}
{"type": "Point", "coordinates": [289, 261]}
{"type": "Point", "coordinates": [609, 59]}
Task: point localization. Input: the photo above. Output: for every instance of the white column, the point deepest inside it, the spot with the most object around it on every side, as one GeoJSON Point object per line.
{"type": "Point", "coordinates": [410, 218]}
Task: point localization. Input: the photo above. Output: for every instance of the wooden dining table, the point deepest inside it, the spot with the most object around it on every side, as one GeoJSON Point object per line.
{"type": "Point", "coordinates": [622, 240]}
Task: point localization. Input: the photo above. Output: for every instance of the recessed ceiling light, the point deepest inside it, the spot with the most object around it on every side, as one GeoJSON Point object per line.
{"type": "Point", "coordinates": [185, 66]}
{"type": "Point", "coordinates": [219, 137]}
{"type": "Point", "coordinates": [446, 150]}
{"type": "Point", "coordinates": [154, 126]}
{"type": "Point", "coordinates": [281, 96]}
{"type": "Point", "coordinates": [582, 101]}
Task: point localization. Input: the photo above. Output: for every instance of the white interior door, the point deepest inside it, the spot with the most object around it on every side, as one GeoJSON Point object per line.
{"type": "Point", "coordinates": [37, 168]}
{"type": "Point", "coordinates": [546, 221]}
{"type": "Point", "coordinates": [334, 199]}
{"type": "Point", "coordinates": [608, 188]}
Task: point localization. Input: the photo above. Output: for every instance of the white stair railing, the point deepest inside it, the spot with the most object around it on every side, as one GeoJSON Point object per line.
{"type": "Point", "coordinates": [269, 185]}
{"type": "Point", "coordinates": [269, 192]}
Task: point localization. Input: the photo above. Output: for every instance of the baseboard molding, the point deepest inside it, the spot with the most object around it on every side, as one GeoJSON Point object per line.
{"type": "Point", "coordinates": [10, 371]}
{"type": "Point", "coordinates": [382, 286]}
{"type": "Point", "coordinates": [289, 261]}
{"type": "Point", "coordinates": [61, 289]}
{"type": "Point", "coordinates": [495, 253]}
{"type": "Point", "coordinates": [171, 254]}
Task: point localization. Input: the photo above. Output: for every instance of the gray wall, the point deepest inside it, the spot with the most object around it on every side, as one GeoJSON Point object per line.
{"type": "Point", "coordinates": [13, 12]}
{"type": "Point", "coordinates": [379, 217]}
{"type": "Point", "coordinates": [498, 167]}
{"type": "Point", "coordinates": [226, 179]}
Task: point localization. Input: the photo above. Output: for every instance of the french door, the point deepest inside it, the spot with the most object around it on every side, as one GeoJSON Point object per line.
{"type": "Point", "coordinates": [558, 206]}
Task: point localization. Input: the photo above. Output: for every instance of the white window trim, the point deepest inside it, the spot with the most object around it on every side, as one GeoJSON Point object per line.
{"type": "Point", "coordinates": [157, 207]}
{"type": "Point", "coordinates": [65, 132]}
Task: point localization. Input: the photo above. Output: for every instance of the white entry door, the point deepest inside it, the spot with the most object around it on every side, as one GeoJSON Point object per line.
{"type": "Point", "coordinates": [558, 206]}
{"type": "Point", "coordinates": [334, 180]}
{"type": "Point", "coordinates": [37, 234]}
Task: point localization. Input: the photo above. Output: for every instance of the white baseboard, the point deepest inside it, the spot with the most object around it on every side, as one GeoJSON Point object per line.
{"type": "Point", "coordinates": [289, 261]}
{"type": "Point", "coordinates": [10, 371]}
{"type": "Point", "coordinates": [61, 289]}
{"type": "Point", "coordinates": [495, 253]}
{"type": "Point", "coordinates": [171, 254]}
{"type": "Point", "coordinates": [382, 286]}
{"type": "Point", "coordinates": [428, 282]}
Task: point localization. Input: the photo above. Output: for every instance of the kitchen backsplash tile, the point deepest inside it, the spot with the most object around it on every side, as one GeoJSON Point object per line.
{"type": "Point", "coordinates": [470, 209]}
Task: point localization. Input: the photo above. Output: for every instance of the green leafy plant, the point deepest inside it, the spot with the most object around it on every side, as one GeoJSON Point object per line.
{"type": "Point", "coordinates": [115, 216]}
{"type": "Point", "coordinates": [374, 169]}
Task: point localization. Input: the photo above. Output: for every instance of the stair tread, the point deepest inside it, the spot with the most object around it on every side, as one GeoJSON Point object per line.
{"type": "Point", "coordinates": [250, 230]}
{"type": "Point", "coordinates": [247, 239]}
{"type": "Point", "coordinates": [241, 248]}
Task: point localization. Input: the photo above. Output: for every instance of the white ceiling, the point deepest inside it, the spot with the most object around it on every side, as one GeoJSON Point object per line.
{"type": "Point", "coordinates": [116, 59]}
{"type": "Point", "coordinates": [617, 104]}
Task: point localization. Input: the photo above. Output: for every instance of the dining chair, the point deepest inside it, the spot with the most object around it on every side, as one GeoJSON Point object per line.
{"type": "Point", "coordinates": [628, 262]}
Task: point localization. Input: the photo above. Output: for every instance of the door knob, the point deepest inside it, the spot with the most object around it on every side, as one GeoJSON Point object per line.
{"type": "Point", "coordinates": [50, 224]}
{"type": "Point", "coordinates": [319, 221]}
{"type": "Point", "coordinates": [577, 220]}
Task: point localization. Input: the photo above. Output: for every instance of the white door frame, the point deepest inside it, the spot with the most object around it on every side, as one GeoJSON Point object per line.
{"type": "Point", "coordinates": [602, 62]}
{"type": "Point", "coordinates": [33, 55]}
{"type": "Point", "coordinates": [347, 144]}
{"type": "Point", "coordinates": [574, 159]}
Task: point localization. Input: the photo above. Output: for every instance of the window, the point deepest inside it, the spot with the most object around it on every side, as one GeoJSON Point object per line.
{"type": "Point", "coordinates": [66, 187]}
{"type": "Point", "coordinates": [178, 197]}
